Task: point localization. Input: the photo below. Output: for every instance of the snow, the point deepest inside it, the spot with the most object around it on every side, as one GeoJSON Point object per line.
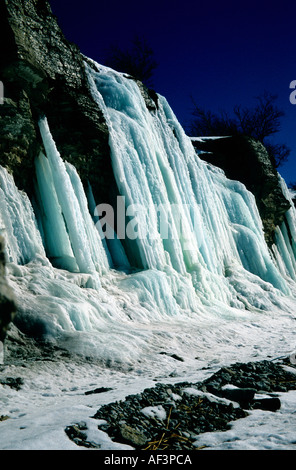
{"type": "Point", "coordinates": [53, 394]}
{"type": "Point", "coordinates": [262, 430]}
{"type": "Point", "coordinates": [157, 412]}
{"type": "Point", "coordinates": [211, 292]}
{"type": "Point", "coordinates": [203, 138]}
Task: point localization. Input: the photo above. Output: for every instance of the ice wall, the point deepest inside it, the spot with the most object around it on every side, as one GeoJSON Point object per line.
{"type": "Point", "coordinates": [284, 248]}
{"type": "Point", "coordinates": [197, 247]}
{"type": "Point", "coordinates": [155, 165]}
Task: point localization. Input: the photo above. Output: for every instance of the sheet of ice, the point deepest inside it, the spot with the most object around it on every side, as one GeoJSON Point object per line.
{"type": "Point", "coordinates": [51, 220]}
{"type": "Point", "coordinates": [155, 165]}
{"type": "Point", "coordinates": [284, 248]}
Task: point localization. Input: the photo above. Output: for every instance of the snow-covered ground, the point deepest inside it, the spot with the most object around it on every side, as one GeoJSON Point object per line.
{"type": "Point", "coordinates": [53, 393]}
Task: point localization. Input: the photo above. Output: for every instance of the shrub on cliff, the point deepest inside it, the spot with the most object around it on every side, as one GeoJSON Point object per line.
{"type": "Point", "coordinates": [137, 61]}
{"type": "Point", "coordinates": [260, 122]}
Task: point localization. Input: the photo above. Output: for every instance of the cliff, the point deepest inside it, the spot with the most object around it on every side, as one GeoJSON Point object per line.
{"type": "Point", "coordinates": [45, 75]}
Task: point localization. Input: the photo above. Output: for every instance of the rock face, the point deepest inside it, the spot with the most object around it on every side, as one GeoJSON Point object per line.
{"type": "Point", "coordinates": [44, 74]}
{"type": "Point", "coordinates": [246, 160]}
{"type": "Point", "coordinates": [7, 302]}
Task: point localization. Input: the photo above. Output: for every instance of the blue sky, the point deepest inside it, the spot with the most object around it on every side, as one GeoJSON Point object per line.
{"type": "Point", "coordinates": [221, 53]}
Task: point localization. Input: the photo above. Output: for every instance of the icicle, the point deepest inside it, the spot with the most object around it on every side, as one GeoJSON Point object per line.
{"type": "Point", "coordinates": [17, 223]}
{"type": "Point", "coordinates": [56, 237]}
{"type": "Point", "coordinates": [86, 246]}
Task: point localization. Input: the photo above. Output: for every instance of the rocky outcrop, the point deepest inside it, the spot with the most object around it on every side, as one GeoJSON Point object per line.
{"type": "Point", "coordinates": [44, 74]}
{"type": "Point", "coordinates": [7, 302]}
{"type": "Point", "coordinates": [245, 159]}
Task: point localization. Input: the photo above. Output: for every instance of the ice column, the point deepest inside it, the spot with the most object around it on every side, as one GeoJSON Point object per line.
{"type": "Point", "coordinates": [18, 223]}
{"type": "Point", "coordinates": [86, 246]}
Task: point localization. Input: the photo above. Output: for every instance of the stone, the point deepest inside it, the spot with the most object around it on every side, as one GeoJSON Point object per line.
{"type": "Point", "coordinates": [243, 396]}
{"type": "Point", "coordinates": [77, 434]}
{"type": "Point", "coordinates": [98, 390]}
{"type": "Point", "coordinates": [132, 435]}
{"type": "Point", "coordinates": [268, 404]}
{"type": "Point", "coordinates": [13, 382]}
{"type": "Point", "coordinates": [4, 417]}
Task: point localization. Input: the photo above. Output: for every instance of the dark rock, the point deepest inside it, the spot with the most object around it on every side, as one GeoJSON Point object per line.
{"type": "Point", "coordinates": [246, 160]}
{"type": "Point", "coordinates": [4, 417]}
{"type": "Point", "coordinates": [132, 435]}
{"type": "Point", "coordinates": [77, 434]}
{"type": "Point", "coordinates": [13, 382]}
{"type": "Point", "coordinates": [174, 356]}
{"type": "Point", "coordinates": [98, 390]}
{"type": "Point", "coordinates": [244, 396]}
{"type": "Point", "coordinates": [269, 404]}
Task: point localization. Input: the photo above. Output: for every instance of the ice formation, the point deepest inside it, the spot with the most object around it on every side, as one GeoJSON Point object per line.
{"type": "Point", "coordinates": [213, 259]}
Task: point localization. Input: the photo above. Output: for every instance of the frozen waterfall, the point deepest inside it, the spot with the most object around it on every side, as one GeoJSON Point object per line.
{"type": "Point", "coordinates": [156, 166]}
{"type": "Point", "coordinates": [192, 243]}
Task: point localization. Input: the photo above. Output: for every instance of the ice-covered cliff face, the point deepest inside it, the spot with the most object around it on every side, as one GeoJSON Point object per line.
{"type": "Point", "coordinates": [189, 245]}
{"type": "Point", "coordinates": [156, 166]}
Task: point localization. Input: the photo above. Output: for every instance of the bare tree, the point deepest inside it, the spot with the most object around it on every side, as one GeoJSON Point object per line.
{"type": "Point", "coordinates": [260, 122]}
{"type": "Point", "coordinates": [137, 61]}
